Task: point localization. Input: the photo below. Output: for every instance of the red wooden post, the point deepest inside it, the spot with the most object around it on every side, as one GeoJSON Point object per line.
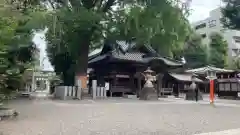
{"type": "Point", "coordinates": [211, 91]}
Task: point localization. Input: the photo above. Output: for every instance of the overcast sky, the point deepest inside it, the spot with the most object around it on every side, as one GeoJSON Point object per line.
{"type": "Point", "coordinates": [200, 10]}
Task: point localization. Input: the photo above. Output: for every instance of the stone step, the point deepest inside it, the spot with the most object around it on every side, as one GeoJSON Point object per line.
{"type": "Point", "coordinates": [130, 96]}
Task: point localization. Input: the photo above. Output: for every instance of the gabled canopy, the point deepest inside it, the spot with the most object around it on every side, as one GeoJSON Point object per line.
{"type": "Point", "coordinates": [184, 77]}
{"type": "Point", "coordinates": [204, 70]}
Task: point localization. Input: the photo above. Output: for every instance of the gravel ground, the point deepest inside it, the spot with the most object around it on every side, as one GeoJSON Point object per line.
{"type": "Point", "coordinates": [118, 117]}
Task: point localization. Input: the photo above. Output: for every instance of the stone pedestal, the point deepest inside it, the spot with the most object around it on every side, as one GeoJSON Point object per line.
{"type": "Point", "coordinates": [191, 95]}
{"type": "Point", "coordinates": [7, 113]}
{"type": "Point", "coordinates": [148, 93]}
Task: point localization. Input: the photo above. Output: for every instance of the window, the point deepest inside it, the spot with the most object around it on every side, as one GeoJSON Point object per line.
{"type": "Point", "coordinates": [236, 39]}
{"type": "Point", "coordinates": [38, 83]}
{"type": "Point", "coordinates": [212, 23]}
{"type": "Point", "coordinates": [221, 87]}
{"type": "Point", "coordinates": [235, 52]}
{"type": "Point", "coordinates": [234, 86]}
{"type": "Point", "coordinates": [203, 35]}
{"type": "Point", "coordinates": [203, 25]}
{"type": "Point", "coordinates": [223, 30]}
{"type": "Point", "coordinates": [227, 87]}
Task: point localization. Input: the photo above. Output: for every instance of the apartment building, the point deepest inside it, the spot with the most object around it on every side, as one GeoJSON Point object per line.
{"type": "Point", "coordinates": [212, 24]}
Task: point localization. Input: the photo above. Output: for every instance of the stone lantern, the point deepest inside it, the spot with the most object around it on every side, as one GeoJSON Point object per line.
{"type": "Point", "coordinates": [149, 78]}
{"type": "Point", "coordinates": [148, 92]}
{"type": "Point", "coordinates": [193, 93]}
{"type": "Point", "coordinates": [193, 84]}
{"type": "Point", "coordinates": [211, 75]}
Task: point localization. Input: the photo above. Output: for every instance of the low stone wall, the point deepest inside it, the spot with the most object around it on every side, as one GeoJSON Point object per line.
{"type": "Point", "coordinates": [66, 92]}
{"type": "Point", "coordinates": [7, 113]}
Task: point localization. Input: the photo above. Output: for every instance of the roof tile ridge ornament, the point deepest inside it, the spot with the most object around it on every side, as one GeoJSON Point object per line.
{"type": "Point", "coordinates": [118, 48]}
{"type": "Point", "coordinates": [130, 44]}
{"type": "Point", "coordinates": [149, 47]}
{"type": "Point", "coordinates": [148, 70]}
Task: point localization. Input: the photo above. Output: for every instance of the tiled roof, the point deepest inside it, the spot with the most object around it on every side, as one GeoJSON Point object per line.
{"type": "Point", "coordinates": [184, 77]}
{"type": "Point", "coordinates": [98, 58]}
{"type": "Point", "coordinates": [125, 45]}
{"type": "Point", "coordinates": [134, 56]}
{"type": "Point", "coordinates": [94, 52]}
{"type": "Point", "coordinates": [203, 70]}
{"type": "Point", "coordinates": [123, 52]}
{"type": "Point", "coordinates": [165, 60]}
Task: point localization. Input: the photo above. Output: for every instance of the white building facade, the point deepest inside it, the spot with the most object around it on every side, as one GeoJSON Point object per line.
{"type": "Point", "coordinates": [213, 24]}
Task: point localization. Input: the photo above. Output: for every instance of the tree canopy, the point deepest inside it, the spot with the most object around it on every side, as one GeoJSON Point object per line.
{"type": "Point", "coordinates": [194, 52]}
{"type": "Point", "coordinates": [231, 14]}
{"type": "Point", "coordinates": [76, 28]}
{"type": "Point", "coordinates": [218, 51]}
{"type": "Point", "coordinates": [236, 64]}
{"type": "Point", "coordinates": [16, 46]}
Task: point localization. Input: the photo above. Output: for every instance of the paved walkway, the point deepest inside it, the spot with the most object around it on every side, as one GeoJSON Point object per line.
{"type": "Point", "coordinates": [121, 117]}
{"type": "Point", "coordinates": [217, 101]}
{"type": "Point", "coordinates": [225, 132]}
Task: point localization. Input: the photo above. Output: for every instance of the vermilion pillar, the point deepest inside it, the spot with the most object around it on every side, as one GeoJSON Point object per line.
{"type": "Point", "coordinates": [211, 91]}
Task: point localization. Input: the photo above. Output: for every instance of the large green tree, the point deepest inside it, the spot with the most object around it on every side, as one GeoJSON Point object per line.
{"type": "Point", "coordinates": [194, 52]}
{"type": "Point", "coordinates": [235, 63]}
{"type": "Point", "coordinates": [80, 25]}
{"type": "Point", "coordinates": [231, 20]}
{"type": "Point", "coordinates": [231, 14]}
{"type": "Point", "coordinates": [17, 23]}
{"type": "Point", "coordinates": [218, 51]}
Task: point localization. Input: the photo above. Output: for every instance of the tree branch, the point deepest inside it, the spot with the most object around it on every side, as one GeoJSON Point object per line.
{"type": "Point", "coordinates": [88, 3]}
{"type": "Point", "coordinates": [108, 5]}
{"type": "Point", "coordinates": [75, 3]}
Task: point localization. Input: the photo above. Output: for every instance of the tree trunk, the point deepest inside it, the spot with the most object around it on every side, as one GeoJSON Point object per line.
{"type": "Point", "coordinates": [81, 71]}
{"type": "Point", "coordinates": [68, 79]}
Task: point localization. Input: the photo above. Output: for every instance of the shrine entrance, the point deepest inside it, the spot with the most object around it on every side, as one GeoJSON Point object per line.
{"type": "Point", "coordinates": [38, 81]}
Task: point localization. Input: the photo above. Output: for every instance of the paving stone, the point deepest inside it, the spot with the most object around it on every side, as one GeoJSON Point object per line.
{"type": "Point", "coordinates": [118, 117]}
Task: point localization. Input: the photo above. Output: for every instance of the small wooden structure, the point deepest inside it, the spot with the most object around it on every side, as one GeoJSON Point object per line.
{"type": "Point", "coordinates": [179, 82]}
{"type": "Point", "coordinates": [229, 87]}
{"type": "Point", "coordinates": [122, 63]}
{"type": "Point", "coordinates": [204, 72]}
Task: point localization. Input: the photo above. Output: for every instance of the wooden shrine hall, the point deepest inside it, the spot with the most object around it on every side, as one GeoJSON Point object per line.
{"type": "Point", "coordinates": [122, 63]}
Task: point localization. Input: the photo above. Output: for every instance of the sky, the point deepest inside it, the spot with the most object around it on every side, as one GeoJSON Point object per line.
{"type": "Point", "coordinates": [199, 10]}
